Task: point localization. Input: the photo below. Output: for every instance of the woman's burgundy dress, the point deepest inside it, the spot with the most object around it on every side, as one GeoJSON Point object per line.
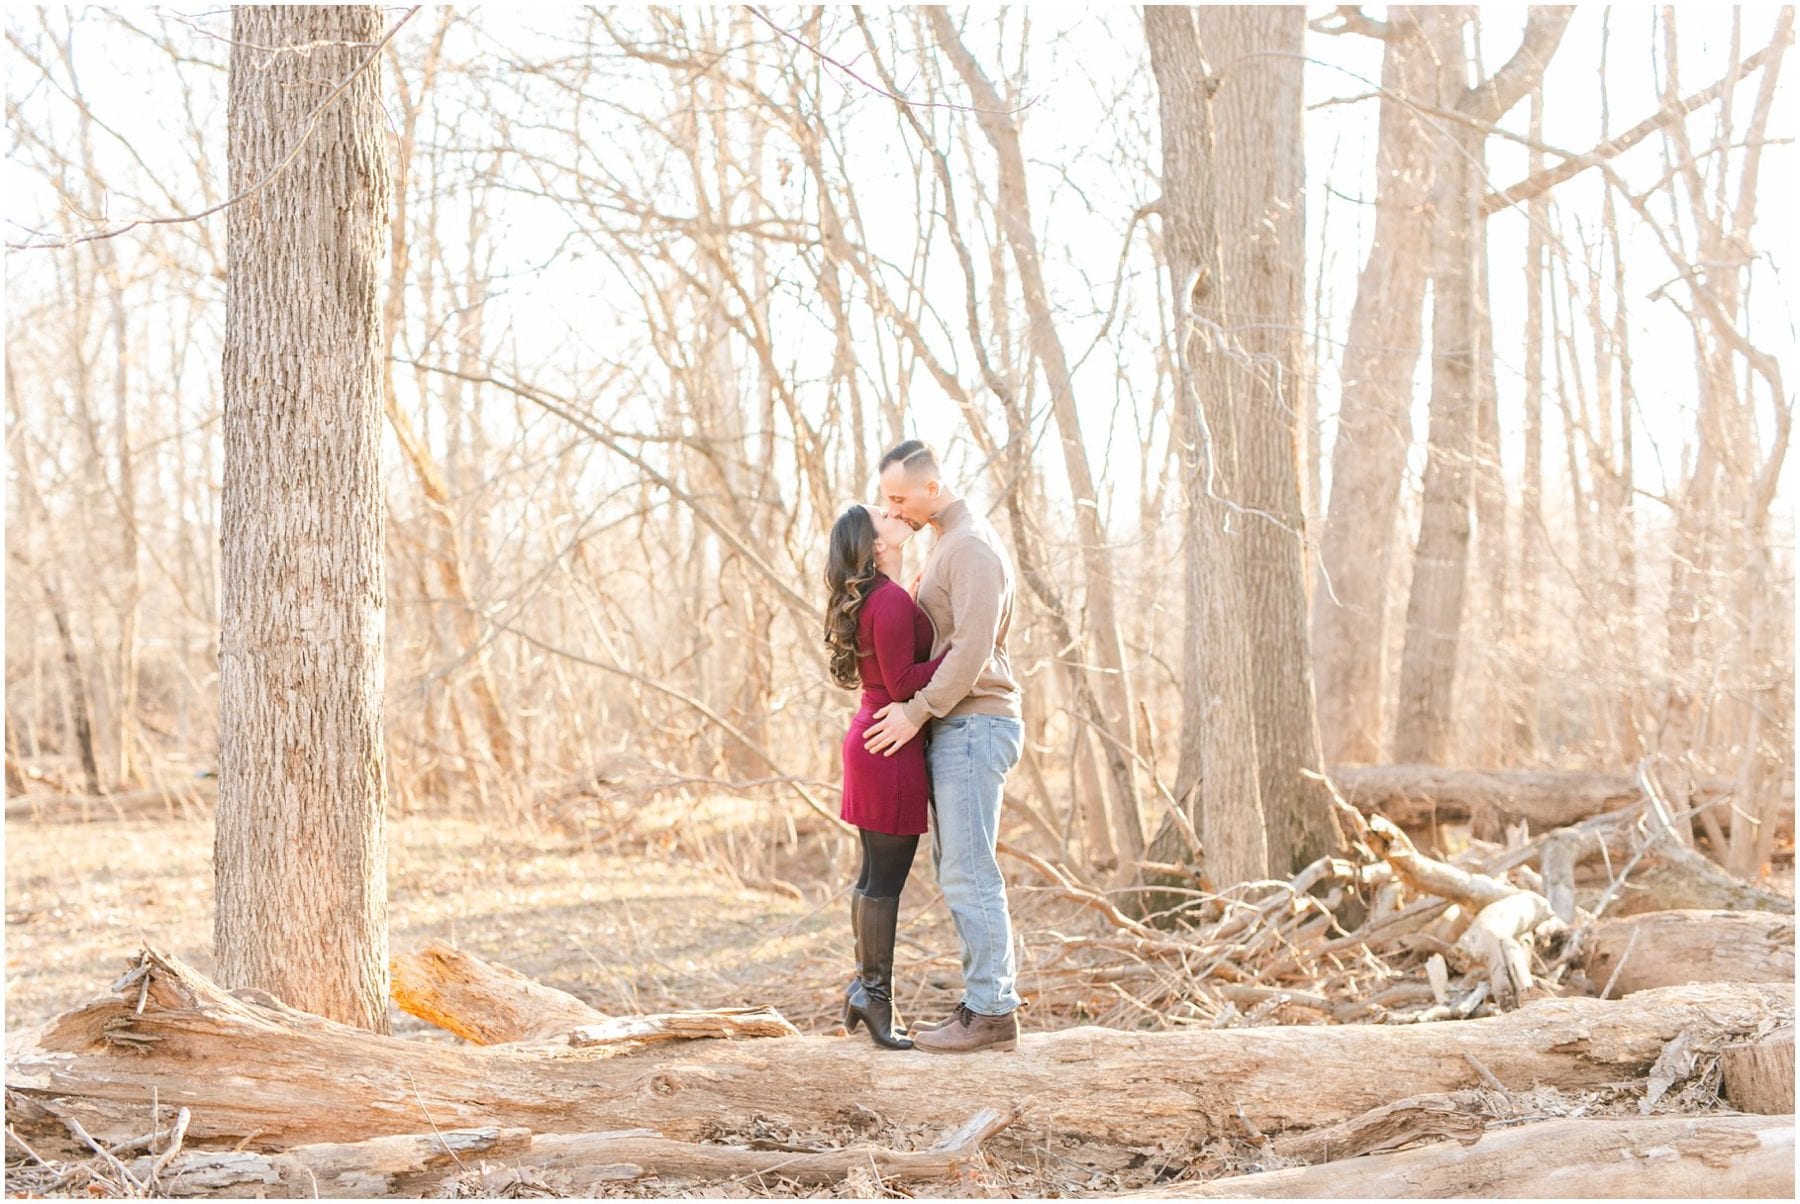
{"type": "Point", "coordinates": [889, 794]}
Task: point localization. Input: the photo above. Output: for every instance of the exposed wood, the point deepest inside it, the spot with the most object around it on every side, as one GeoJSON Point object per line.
{"type": "Point", "coordinates": [424, 1164]}
{"type": "Point", "coordinates": [1759, 1075]}
{"type": "Point", "coordinates": [1498, 939]}
{"type": "Point", "coordinates": [1428, 875]}
{"type": "Point", "coordinates": [1458, 1116]}
{"type": "Point", "coordinates": [1651, 1158]}
{"type": "Point", "coordinates": [483, 1001]}
{"type": "Point", "coordinates": [1668, 948]}
{"type": "Point", "coordinates": [270, 1077]}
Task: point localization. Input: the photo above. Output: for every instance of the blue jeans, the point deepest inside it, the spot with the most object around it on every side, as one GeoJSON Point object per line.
{"type": "Point", "coordinates": [969, 756]}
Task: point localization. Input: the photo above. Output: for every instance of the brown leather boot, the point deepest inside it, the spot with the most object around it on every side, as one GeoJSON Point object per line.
{"type": "Point", "coordinates": [871, 997]}
{"type": "Point", "coordinates": [967, 1031]}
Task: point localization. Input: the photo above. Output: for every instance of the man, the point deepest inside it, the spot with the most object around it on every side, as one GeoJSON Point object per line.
{"type": "Point", "coordinates": [972, 704]}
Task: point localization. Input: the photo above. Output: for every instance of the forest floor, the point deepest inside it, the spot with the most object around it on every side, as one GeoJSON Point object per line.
{"type": "Point", "coordinates": [659, 906]}
{"type": "Point", "coordinates": [664, 916]}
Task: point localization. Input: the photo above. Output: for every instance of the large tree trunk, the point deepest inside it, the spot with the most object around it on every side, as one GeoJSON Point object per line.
{"type": "Point", "coordinates": [1368, 459]}
{"type": "Point", "coordinates": [270, 1077]}
{"type": "Point", "coordinates": [1216, 776]}
{"type": "Point", "coordinates": [1424, 722]}
{"type": "Point", "coordinates": [1259, 52]}
{"type": "Point", "coordinates": [1661, 1157]}
{"type": "Point", "coordinates": [301, 856]}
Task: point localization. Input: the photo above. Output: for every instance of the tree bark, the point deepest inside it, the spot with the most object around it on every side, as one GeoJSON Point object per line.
{"type": "Point", "coordinates": [1258, 53]}
{"type": "Point", "coordinates": [1216, 778]}
{"type": "Point", "coordinates": [427, 1164]}
{"type": "Point", "coordinates": [271, 1077]}
{"type": "Point", "coordinates": [1368, 459]}
{"type": "Point", "coordinates": [301, 858]}
{"type": "Point", "coordinates": [1649, 1158]}
{"type": "Point", "coordinates": [1424, 724]}
{"type": "Point", "coordinates": [1758, 1076]}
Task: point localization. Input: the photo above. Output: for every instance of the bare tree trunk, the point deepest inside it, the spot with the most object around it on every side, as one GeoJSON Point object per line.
{"type": "Point", "coordinates": [1216, 780]}
{"type": "Point", "coordinates": [1424, 725]}
{"type": "Point", "coordinates": [301, 852]}
{"type": "Point", "coordinates": [1527, 635]}
{"type": "Point", "coordinates": [1368, 460]}
{"type": "Point", "coordinates": [1258, 52]}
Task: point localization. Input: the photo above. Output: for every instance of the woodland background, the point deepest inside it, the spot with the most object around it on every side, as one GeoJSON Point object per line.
{"type": "Point", "coordinates": [663, 282]}
{"type": "Point", "coordinates": [422, 428]}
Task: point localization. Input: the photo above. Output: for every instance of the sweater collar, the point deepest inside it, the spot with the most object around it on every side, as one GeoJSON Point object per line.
{"type": "Point", "coordinates": [953, 516]}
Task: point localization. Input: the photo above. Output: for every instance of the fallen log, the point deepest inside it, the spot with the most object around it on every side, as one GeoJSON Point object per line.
{"type": "Point", "coordinates": [1414, 796]}
{"type": "Point", "coordinates": [1668, 948]}
{"type": "Point", "coordinates": [483, 1001]}
{"type": "Point", "coordinates": [1662, 1157]}
{"type": "Point", "coordinates": [1759, 1076]}
{"type": "Point", "coordinates": [263, 1076]}
{"type": "Point", "coordinates": [424, 1164]}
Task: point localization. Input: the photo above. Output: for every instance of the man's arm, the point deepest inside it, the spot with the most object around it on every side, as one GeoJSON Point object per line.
{"type": "Point", "coordinates": [977, 580]}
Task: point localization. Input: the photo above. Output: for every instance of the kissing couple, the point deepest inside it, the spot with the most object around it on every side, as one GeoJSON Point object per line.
{"type": "Point", "coordinates": [938, 729]}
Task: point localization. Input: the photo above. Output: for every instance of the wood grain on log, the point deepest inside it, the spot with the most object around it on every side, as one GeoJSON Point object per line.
{"type": "Point", "coordinates": [1759, 1075]}
{"type": "Point", "coordinates": [1668, 948]}
{"type": "Point", "coordinates": [422, 1164]}
{"type": "Point", "coordinates": [1660, 1157]}
{"type": "Point", "coordinates": [482, 1001]}
{"type": "Point", "coordinates": [270, 1077]}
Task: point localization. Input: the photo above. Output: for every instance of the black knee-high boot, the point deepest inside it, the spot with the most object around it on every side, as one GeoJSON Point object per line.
{"type": "Point", "coordinates": [871, 997]}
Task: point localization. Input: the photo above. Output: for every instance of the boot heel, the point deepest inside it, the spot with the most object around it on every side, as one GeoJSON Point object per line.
{"type": "Point", "coordinates": [852, 1018]}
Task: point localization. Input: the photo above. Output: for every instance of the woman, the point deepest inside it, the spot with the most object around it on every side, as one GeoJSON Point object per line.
{"type": "Point", "coordinates": [878, 639]}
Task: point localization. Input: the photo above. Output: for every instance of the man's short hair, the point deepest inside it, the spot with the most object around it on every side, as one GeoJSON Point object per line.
{"type": "Point", "coordinates": [917, 456]}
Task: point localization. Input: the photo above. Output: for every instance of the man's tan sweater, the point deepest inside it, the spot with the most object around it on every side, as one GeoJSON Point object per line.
{"type": "Point", "coordinates": [967, 589]}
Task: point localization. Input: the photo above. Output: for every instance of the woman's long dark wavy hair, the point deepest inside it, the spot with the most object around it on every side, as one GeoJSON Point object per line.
{"type": "Point", "coordinates": [849, 578]}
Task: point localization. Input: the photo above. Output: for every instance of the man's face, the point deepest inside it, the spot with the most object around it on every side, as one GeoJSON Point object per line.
{"type": "Point", "coordinates": [914, 500]}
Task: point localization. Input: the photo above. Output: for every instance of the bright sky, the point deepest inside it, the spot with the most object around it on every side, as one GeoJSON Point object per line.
{"type": "Point", "coordinates": [1089, 135]}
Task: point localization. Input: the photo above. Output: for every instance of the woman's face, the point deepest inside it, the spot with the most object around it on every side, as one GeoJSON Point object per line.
{"type": "Point", "coordinates": [894, 532]}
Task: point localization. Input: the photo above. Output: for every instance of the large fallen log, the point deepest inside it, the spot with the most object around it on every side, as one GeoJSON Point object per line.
{"type": "Point", "coordinates": [1417, 795]}
{"type": "Point", "coordinates": [1661, 1157]}
{"type": "Point", "coordinates": [264, 1076]}
{"type": "Point", "coordinates": [1668, 948]}
{"type": "Point", "coordinates": [423, 1164]}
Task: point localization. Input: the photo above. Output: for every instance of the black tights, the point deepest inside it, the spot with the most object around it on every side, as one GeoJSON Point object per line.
{"type": "Point", "coordinates": [886, 862]}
